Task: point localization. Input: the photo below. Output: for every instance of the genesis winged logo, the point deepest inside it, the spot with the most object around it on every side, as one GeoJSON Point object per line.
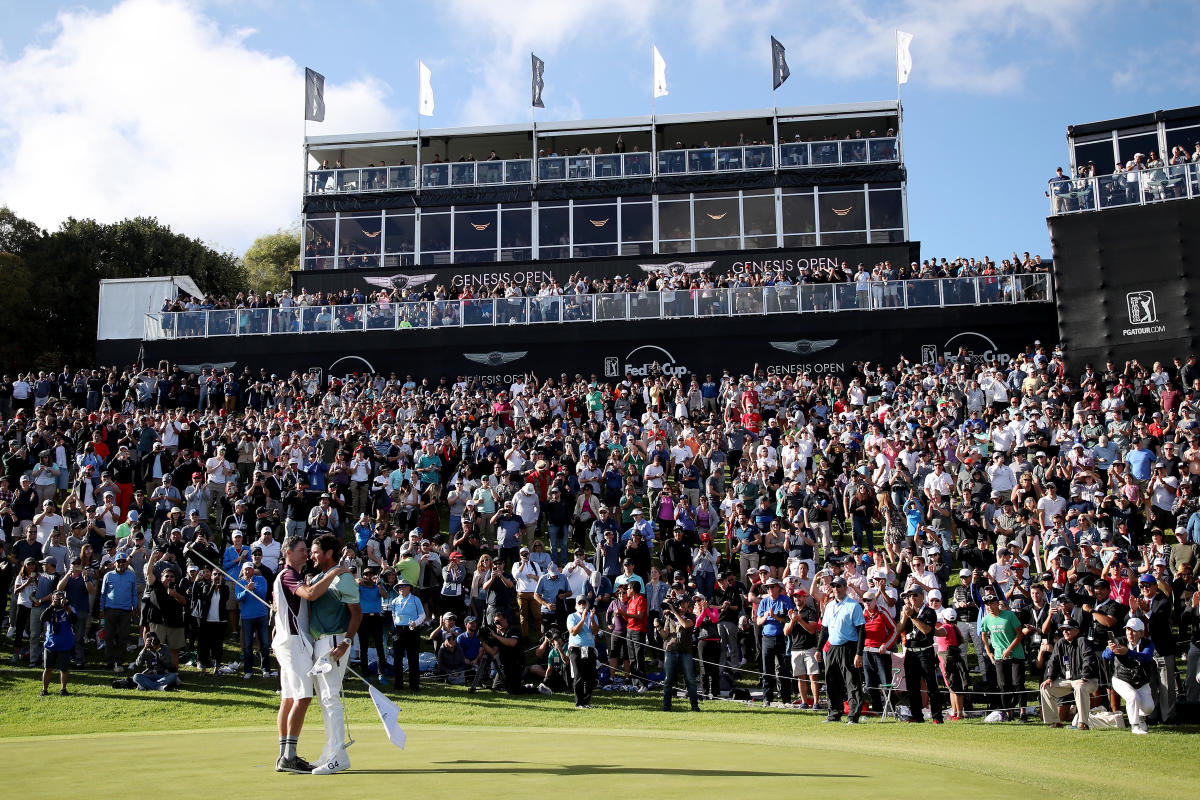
{"type": "Point", "coordinates": [804, 347]}
{"type": "Point", "coordinates": [495, 358]}
{"type": "Point", "coordinates": [401, 281]}
{"type": "Point", "coordinates": [686, 267]}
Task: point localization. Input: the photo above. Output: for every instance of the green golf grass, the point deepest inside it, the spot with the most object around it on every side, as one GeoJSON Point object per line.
{"type": "Point", "coordinates": [220, 733]}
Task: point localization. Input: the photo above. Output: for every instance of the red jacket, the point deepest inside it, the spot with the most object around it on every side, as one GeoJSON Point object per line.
{"type": "Point", "coordinates": [880, 628]}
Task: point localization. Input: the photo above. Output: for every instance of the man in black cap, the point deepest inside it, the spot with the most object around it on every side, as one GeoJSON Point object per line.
{"type": "Point", "coordinates": [917, 623]}
{"type": "Point", "coordinates": [1072, 669]}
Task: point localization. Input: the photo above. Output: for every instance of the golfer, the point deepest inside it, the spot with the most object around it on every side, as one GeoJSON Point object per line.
{"type": "Point", "coordinates": [293, 646]}
{"type": "Point", "coordinates": [333, 620]}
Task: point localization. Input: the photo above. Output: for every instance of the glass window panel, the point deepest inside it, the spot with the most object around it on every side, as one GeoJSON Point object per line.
{"type": "Point", "coordinates": [319, 236]}
{"type": "Point", "coordinates": [859, 237]}
{"type": "Point", "coordinates": [674, 220]}
{"type": "Point", "coordinates": [885, 209]}
{"type": "Point", "coordinates": [679, 246]}
{"type": "Point", "coordinates": [360, 235]}
{"type": "Point", "coordinates": [758, 215]}
{"type": "Point", "coordinates": [760, 241]}
{"type": "Point", "coordinates": [463, 173]}
{"type": "Point", "coordinates": [490, 172]}
{"type": "Point", "coordinates": [553, 227]}
{"type": "Point", "coordinates": [707, 245]}
{"type": "Point", "coordinates": [399, 233]}
{"type": "Point", "coordinates": [887, 236]}
{"type": "Point", "coordinates": [517, 254]}
{"type": "Point", "coordinates": [717, 218]}
{"type": "Point", "coordinates": [1187, 138]}
{"type": "Point", "coordinates": [883, 150]}
{"type": "Point", "coordinates": [800, 240]}
{"type": "Point", "coordinates": [1099, 152]}
{"type": "Point", "coordinates": [595, 250]}
{"type": "Point", "coordinates": [798, 213]}
{"type": "Point", "coordinates": [595, 224]}
{"type": "Point", "coordinates": [637, 249]}
{"type": "Point", "coordinates": [475, 230]}
{"type": "Point", "coordinates": [435, 232]}
{"type": "Point", "coordinates": [637, 223]}
{"type": "Point", "coordinates": [474, 256]}
{"type": "Point", "coordinates": [1142, 143]}
{"type": "Point", "coordinates": [516, 228]}
{"type": "Point", "coordinates": [793, 154]}
{"type": "Point", "coordinates": [545, 252]}
{"type": "Point", "coordinates": [842, 211]}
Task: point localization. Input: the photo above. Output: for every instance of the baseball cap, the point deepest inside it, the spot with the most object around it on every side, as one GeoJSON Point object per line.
{"type": "Point", "coordinates": [1135, 624]}
{"type": "Point", "coordinates": [964, 573]}
{"type": "Point", "coordinates": [119, 557]}
{"type": "Point", "coordinates": [990, 598]}
{"type": "Point", "coordinates": [1068, 624]}
{"type": "Point", "coordinates": [1147, 580]}
{"type": "Point", "coordinates": [838, 581]}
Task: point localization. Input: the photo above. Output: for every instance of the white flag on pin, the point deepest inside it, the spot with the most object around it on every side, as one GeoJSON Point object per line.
{"type": "Point", "coordinates": [389, 714]}
{"type": "Point", "coordinates": [425, 94]}
{"type": "Point", "coordinates": [903, 56]}
{"type": "Point", "coordinates": [660, 74]}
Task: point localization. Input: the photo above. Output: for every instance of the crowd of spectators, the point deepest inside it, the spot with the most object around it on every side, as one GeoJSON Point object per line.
{"type": "Point", "coordinates": [873, 280]}
{"type": "Point", "coordinates": [1141, 177]}
{"type": "Point", "coordinates": [1007, 521]}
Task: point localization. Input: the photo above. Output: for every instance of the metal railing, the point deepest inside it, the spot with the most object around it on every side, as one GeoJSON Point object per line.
{"type": "Point", "coordinates": [604, 166]}
{"type": "Point", "coordinates": [1153, 185]}
{"type": "Point", "coordinates": [622, 306]}
{"type": "Point", "coordinates": [716, 159]}
{"type": "Point", "coordinates": [595, 167]}
{"type": "Point", "coordinates": [362, 179]}
{"type": "Point", "coordinates": [793, 155]}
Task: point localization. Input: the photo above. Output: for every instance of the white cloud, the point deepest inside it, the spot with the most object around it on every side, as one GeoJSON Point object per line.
{"type": "Point", "coordinates": [974, 45]}
{"type": "Point", "coordinates": [152, 109]}
{"type": "Point", "coordinates": [508, 30]}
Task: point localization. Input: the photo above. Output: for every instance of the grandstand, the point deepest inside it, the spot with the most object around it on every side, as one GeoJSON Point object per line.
{"type": "Point", "coordinates": [702, 241]}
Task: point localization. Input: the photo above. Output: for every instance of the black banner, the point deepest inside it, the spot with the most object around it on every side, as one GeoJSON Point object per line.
{"type": "Point", "coordinates": [784, 344]}
{"type": "Point", "coordinates": [791, 261]}
{"type": "Point", "coordinates": [779, 67]}
{"type": "Point", "coordinates": [1126, 280]}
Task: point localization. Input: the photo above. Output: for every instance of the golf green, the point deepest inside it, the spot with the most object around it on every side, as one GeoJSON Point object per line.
{"type": "Point", "coordinates": [466, 760]}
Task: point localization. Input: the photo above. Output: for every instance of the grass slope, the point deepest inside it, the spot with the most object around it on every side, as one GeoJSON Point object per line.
{"type": "Point", "coordinates": [477, 740]}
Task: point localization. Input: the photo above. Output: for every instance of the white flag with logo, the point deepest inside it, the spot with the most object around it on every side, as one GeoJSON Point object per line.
{"type": "Point", "coordinates": [425, 95]}
{"type": "Point", "coordinates": [389, 713]}
{"type": "Point", "coordinates": [903, 56]}
{"type": "Point", "coordinates": [660, 74]}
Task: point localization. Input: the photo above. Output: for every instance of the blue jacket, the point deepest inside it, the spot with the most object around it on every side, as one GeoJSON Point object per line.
{"type": "Point", "coordinates": [248, 607]}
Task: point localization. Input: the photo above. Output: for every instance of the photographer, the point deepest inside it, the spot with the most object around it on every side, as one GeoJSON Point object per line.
{"type": "Point", "coordinates": [581, 647]}
{"type": "Point", "coordinates": [59, 620]}
{"type": "Point", "coordinates": [153, 668]}
{"type": "Point", "coordinates": [675, 629]}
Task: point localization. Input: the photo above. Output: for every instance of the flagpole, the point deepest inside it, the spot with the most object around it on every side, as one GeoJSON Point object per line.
{"type": "Point", "coordinates": [417, 177]}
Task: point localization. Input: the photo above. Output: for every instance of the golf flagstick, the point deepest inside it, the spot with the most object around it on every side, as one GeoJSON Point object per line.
{"type": "Point", "coordinates": [388, 711]}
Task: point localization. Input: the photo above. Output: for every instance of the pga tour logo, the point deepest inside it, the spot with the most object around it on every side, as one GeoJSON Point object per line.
{"type": "Point", "coordinates": [641, 362]}
{"type": "Point", "coordinates": [1141, 307]}
{"type": "Point", "coordinates": [1143, 314]}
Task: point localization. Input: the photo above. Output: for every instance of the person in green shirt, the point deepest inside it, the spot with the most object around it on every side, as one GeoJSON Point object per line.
{"type": "Point", "coordinates": [1002, 635]}
{"type": "Point", "coordinates": [333, 620]}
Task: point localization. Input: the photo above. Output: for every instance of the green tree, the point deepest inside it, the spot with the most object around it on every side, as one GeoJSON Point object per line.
{"type": "Point", "coordinates": [269, 260]}
{"type": "Point", "coordinates": [52, 281]}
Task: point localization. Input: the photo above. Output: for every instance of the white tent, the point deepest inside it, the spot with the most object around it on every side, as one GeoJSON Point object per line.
{"type": "Point", "coordinates": [125, 302]}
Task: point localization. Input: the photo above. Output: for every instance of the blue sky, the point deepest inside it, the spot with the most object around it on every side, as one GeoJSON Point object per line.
{"type": "Point", "coordinates": [191, 111]}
